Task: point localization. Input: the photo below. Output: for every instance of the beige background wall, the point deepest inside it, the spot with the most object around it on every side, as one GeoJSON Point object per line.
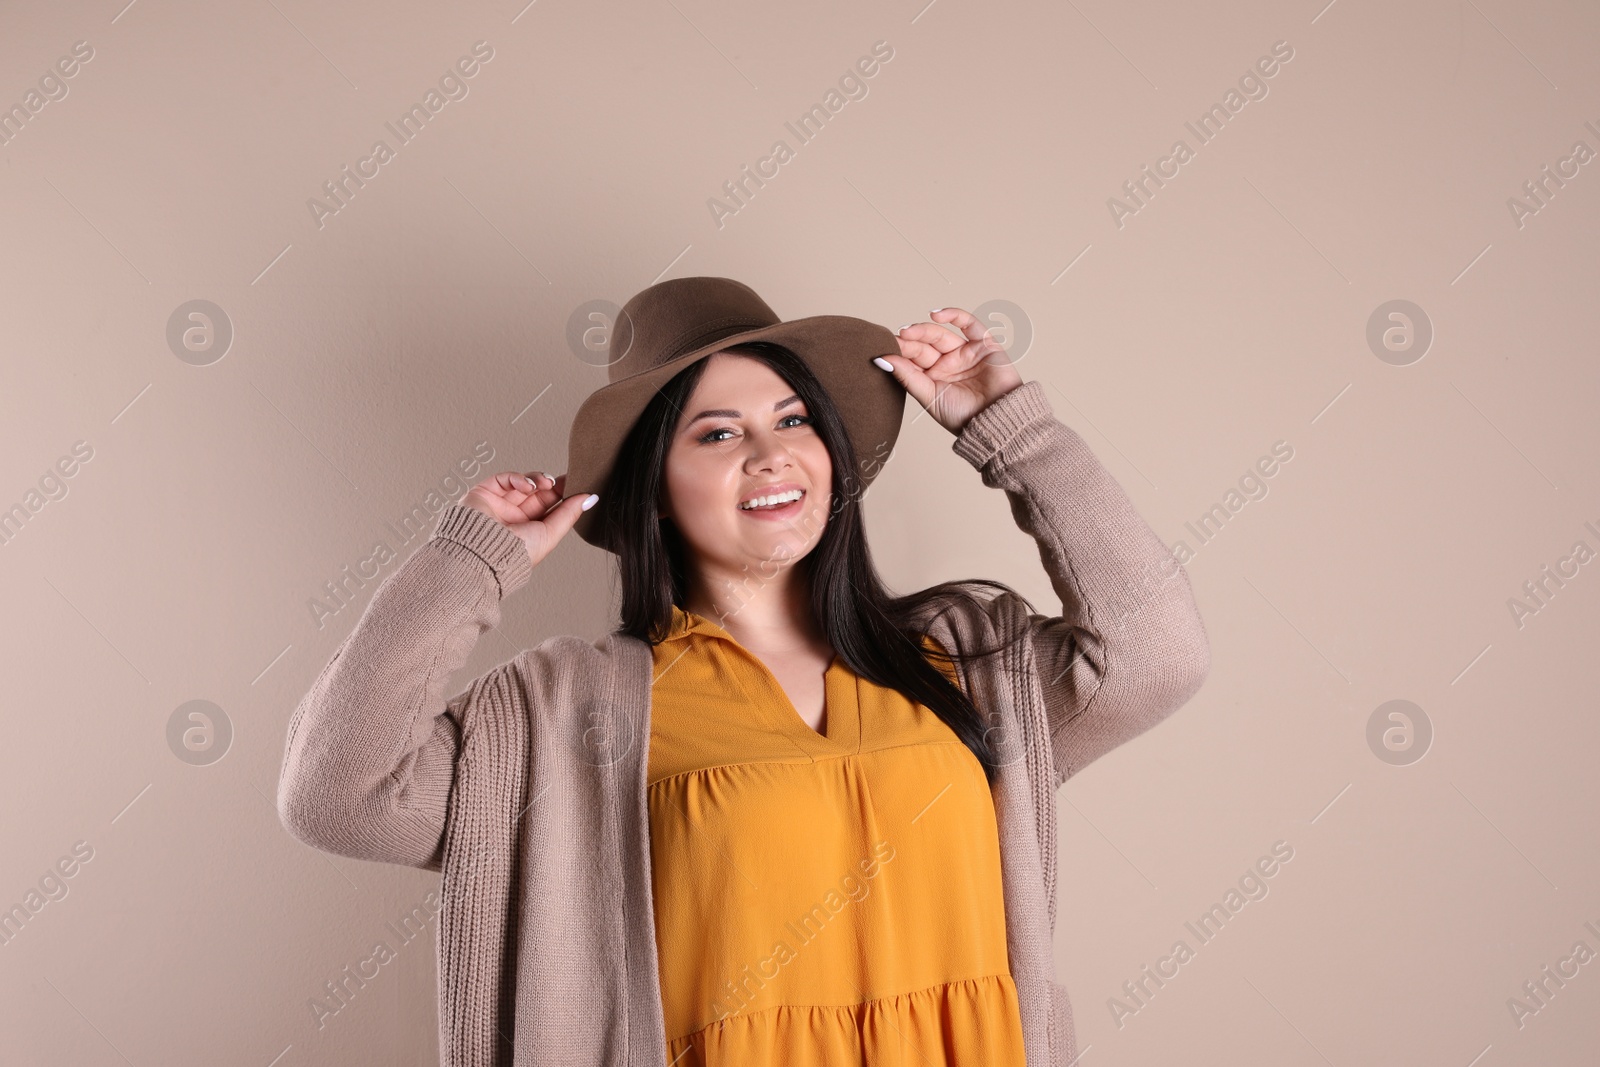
{"type": "Point", "coordinates": [215, 493]}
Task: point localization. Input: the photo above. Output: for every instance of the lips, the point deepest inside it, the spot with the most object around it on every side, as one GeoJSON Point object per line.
{"type": "Point", "coordinates": [778, 513]}
{"type": "Point", "coordinates": [775, 489]}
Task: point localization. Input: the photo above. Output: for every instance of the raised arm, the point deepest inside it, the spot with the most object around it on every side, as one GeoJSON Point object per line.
{"type": "Point", "coordinates": [371, 751]}
{"type": "Point", "coordinates": [1129, 646]}
{"type": "Point", "coordinates": [371, 755]}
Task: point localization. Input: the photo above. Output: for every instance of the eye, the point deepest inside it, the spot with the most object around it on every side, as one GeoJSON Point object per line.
{"type": "Point", "coordinates": [710, 436]}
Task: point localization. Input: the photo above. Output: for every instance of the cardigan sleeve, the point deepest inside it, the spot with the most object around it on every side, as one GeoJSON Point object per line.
{"type": "Point", "coordinates": [1129, 646]}
{"type": "Point", "coordinates": [370, 757]}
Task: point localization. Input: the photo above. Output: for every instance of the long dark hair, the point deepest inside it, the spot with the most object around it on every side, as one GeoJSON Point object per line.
{"type": "Point", "coordinates": [876, 633]}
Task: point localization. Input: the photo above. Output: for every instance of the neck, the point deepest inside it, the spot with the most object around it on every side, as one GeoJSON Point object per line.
{"type": "Point", "coordinates": [763, 615]}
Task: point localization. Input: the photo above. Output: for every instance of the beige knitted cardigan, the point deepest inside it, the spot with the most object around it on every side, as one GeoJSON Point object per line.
{"type": "Point", "coordinates": [527, 790]}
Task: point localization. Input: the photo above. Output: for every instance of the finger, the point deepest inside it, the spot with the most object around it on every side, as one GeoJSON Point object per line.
{"type": "Point", "coordinates": [546, 497]}
{"type": "Point", "coordinates": [912, 378]}
{"type": "Point", "coordinates": [559, 519]}
{"type": "Point", "coordinates": [504, 483]}
{"type": "Point", "coordinates": [981, 346]}
{"type": "Point", "coordinates": [969, 325]}
{"type": "Point", "coordinates": [934, 335]}
{"type": "Point", "coordinates": [551, 490]}
{"type": "Point", "coordinates": [508, 493]}
{"type": "Point", "coordinates": [942, 366]}
{"type": "Point", "coordinates": [921, 353]}
{"type": "Point", "coordinates": [512, 494]}
{"type": "Point", "coordinates": [547, 489]}
{"type": "Point", "coordinates": [537, 505]}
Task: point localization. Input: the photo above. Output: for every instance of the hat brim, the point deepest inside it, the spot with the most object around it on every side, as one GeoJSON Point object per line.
{"type": "Point", "coordinates": [837, 348]}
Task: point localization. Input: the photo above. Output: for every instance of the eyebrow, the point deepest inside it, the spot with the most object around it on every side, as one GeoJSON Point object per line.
{"type": "Point", "coordinates": [729, 413]}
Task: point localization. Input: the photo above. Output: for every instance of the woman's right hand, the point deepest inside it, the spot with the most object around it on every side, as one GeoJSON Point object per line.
{"type": "Point", "coordinates": [530, 506]}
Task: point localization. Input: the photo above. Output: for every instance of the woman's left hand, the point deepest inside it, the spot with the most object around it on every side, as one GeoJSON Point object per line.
{"type": "Point", "coordinates": [954, 376]}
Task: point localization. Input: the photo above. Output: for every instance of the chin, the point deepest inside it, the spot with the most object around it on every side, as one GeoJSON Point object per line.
{"type": "Point", "coordinates": [785, 545]}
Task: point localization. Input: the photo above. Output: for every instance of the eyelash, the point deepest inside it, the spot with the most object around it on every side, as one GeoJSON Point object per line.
{"type": "Point", "coordinates": [705, 438]}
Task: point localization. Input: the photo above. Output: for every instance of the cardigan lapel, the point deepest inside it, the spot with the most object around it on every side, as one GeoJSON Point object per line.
{"type": "Point", "coordinates": [1001, 688]}
{"type": "Point", "coordinates": [646, 1044]}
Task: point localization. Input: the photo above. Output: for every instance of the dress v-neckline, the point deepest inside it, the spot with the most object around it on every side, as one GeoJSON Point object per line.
{"type": "Point", "coordinates": [830, 707]}
{"type": "Point", "coordinates": [841, 716]}
{"type": "Point", "coordinates": [840, 712]}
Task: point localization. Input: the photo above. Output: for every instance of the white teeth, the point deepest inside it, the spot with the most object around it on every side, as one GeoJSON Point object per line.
{"type": "Point", "coordinates": [775, 498]}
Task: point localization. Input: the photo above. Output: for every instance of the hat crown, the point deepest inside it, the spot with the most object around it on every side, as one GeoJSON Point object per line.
{"type": "Point", "coordinates": [680, 315]}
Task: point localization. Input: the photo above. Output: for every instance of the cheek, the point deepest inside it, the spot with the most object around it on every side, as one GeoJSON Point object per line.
{"type": "Point", "coordinates": [819, 465]}
{"type": "Point", "coordinates": [819, 469]}
{"type": "Point", "coordinates": [697, 486]}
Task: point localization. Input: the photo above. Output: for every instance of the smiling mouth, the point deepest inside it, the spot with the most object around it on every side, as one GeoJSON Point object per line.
{"type": "Point", "coordinates": [776, 503]}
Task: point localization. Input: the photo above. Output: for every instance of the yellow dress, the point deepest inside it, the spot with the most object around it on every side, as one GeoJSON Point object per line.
{"type": "Point", "coordinates": [820, 898]}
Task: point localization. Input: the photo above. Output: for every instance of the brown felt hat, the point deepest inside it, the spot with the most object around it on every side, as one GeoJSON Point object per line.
{"type": "Point", "coordinates": [670, 325]}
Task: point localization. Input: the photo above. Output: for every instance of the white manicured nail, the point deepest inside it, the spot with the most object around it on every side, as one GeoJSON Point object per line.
{"type": "Point", "coordinates": [589, 501]}
{"type": "Point", "coordinates": [885, 364]}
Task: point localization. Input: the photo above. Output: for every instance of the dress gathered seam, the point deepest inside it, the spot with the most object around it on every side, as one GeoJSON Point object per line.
{"type": "Point", "coordinates": [858, 1004]}
{"type": "Point", "coordinates": [827, 758]}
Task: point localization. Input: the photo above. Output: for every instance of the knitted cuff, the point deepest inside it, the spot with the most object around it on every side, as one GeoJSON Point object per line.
{"type": "Point", "coordinates": [491, 542]}
{"type": "Point", "coordinates": [989, 430]}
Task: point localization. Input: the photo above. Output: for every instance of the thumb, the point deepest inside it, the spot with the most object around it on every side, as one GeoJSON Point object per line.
{"type": "Point", "coordinates": [561, 518]}
{"type": "Point", "coordinates": [911, 376]}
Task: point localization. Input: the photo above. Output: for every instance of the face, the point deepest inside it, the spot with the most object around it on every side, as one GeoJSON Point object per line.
{"type": "Point", "coordinates": [756, 441]}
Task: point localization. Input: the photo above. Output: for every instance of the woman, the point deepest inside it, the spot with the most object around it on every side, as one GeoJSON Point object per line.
{"type": "Point", "coordinates": [779, 814]}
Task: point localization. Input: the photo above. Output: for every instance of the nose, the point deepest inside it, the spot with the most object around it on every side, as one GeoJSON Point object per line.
{"type": "Point", "coordinates": [767, 453]}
